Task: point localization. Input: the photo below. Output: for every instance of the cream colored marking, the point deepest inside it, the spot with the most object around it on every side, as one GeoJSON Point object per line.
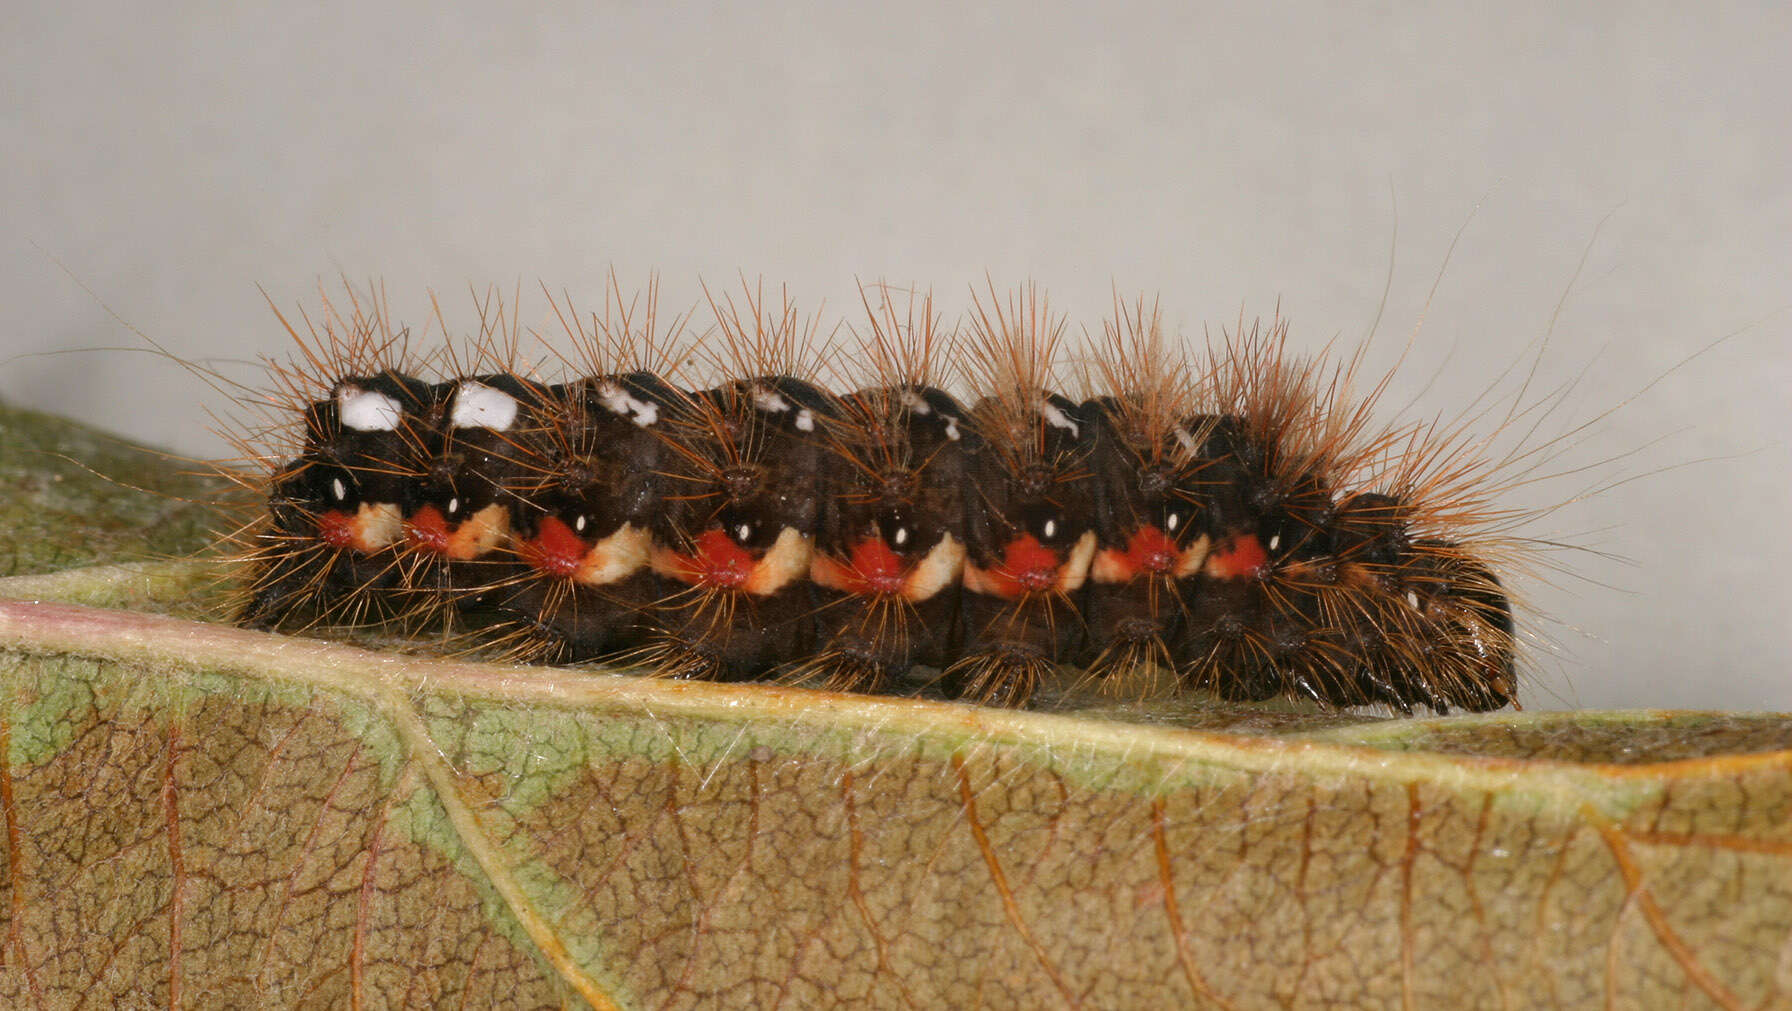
{"type": "Point", "coordinates": [1192, 556]}
{"type": "Point", "coordinates": [829, 573]}
{"type": "Point", "coordinates": [952, 428]}
{"type": "Point", "coordinates": [338, 490]}
{"type": "Point", "coordinates": [479, 533]}
{"type": "Point", "coordinates": [1076, 565]}
{"type": "Point", "coordinates": [377, 524]}
{"type": "Point", "coordinates": [365, 410]}
{"type": "Point", "coordinates": [477, 405]}
{"type": "Point", "coordinates": [616, 557]}
{"type": "Point", "coordinates": [668, 562]}
{"type": "Point", "coordinates": [978, 580]}
{"type": "Point", "coordinates": [914, 402]}
{"type": "Point", "coordinates": [805, 420]}
{"type": "Point", "coordinates": [1110, 566]}
{"type": "Point", "coordinates": [486, 850]}
{"type": "Point", "coordinates": [787, 560]}
{"type": "Point", "coordinates": [942, 566]}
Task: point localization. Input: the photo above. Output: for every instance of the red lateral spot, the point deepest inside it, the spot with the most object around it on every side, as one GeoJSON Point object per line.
{"type": "Point", "coordinates": [337, 528]}
{"type": "Point", "coordinates": [718, 561]}
{"type": "Point", "coordinates": [427, 530]}
{"type": "Point", "coordinates": [1148, 552]}
{"type": "Point", "coordinates": [1027, 566]}
{"type": "Point", "coordinates": [554, 549]}
{"type": "Point", "coordinates": [1151, 550]}
{"type": "Point", "coordinates": [878, 565]}
{"type": "Point", "coordinates": [1242, 556]}
{"type": "Point", "coordinates": [874, 569]}
{"type": "Point", "coordinates": [1030, 563]}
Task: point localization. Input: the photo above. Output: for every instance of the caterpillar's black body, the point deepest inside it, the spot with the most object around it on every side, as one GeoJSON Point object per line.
{"type": "Point", "coordinates": [890, 550]}
{"type": "Point", "coordinates": [739, 530]}
{"type": "Point", "coordinates": [335, 513]}
{"type": "Point", "coordinates": [477, 471]}
{"type": "Point", "coordinates": [766, 527]}
{"type": "Point", "coordinates": [1030, 531]}
{"type": "Point", "coordinates": [581, 580]}
{"type": "Point", "coordinates": [1154, 522]}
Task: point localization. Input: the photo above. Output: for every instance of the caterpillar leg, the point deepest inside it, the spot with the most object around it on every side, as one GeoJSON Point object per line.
{"type": "Point", "coordinates": [1004, 675]}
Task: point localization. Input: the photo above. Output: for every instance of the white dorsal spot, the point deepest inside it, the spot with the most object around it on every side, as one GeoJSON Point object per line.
{"type": "Point", "coordinates": [338, 489]}
{"type": "Point", "coordinates": [1185, 440]}
{"type": "Point", "coordinates": [743, 532]}
{"type": "Point", "coordinates": [951, 428]}
{"type": "Point", "coordinates": [1172, 521]}
{"type": "Point", "coordinates": [916, 403]}
{"type": "Point", "coordinates": [901, 536]}
{"type": "Point", "coordinates": [642, 412]}
{"type": "Point", "coordinates": [805, 420]}
{"type": "Point", "coordinates": [768, 400]}
{"type": "Point", "coordinates": [453, 506]}
{"type": "Point", "coordinates": [366, 410]}
{"type": "Point", "coordinates": [1051, 529]}
{"type": "Point", "coordinates": [1412, 598]}
{"type": "Point", "coordinates": [578, 525]}
{"type": "Point", "coordinates": [1056, 418]}
{"type": "Point", "coordinates": [1275, 542]}
{"type": "Point", "coordinates": [477, 405]}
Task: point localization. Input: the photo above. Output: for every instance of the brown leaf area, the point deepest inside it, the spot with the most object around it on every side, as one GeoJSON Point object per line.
{"type": "Point", "coordinates": [203, 817]}
{"type": "Point", "coordinates": [1625, 738]}
{"type": "Point", "coordinates": [242, 855]}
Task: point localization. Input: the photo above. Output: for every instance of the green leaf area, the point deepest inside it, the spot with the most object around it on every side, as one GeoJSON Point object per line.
{"type": "Point", "coordinates": [202, 816]}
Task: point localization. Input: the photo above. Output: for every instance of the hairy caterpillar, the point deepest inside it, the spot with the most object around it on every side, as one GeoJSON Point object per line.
{"type": "Point", "coordinates": [764, 501]}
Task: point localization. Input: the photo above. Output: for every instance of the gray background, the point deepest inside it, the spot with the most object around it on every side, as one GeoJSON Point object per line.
{"type": "Point", "coordinates": [175, 159]}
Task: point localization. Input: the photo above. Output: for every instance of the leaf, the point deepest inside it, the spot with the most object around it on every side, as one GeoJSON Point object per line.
{"type": "Point", "coordinates": [202, 816]}
{"type": "Point", "coordinates": [74, 496]}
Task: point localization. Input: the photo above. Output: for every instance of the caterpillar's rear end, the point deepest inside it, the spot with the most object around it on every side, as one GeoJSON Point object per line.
{"type": "Point", "coordinates": [1313, 587]}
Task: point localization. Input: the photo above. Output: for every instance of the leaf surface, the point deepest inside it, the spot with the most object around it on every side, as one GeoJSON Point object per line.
{"type": "Point", "coordinates": [201, 816]}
